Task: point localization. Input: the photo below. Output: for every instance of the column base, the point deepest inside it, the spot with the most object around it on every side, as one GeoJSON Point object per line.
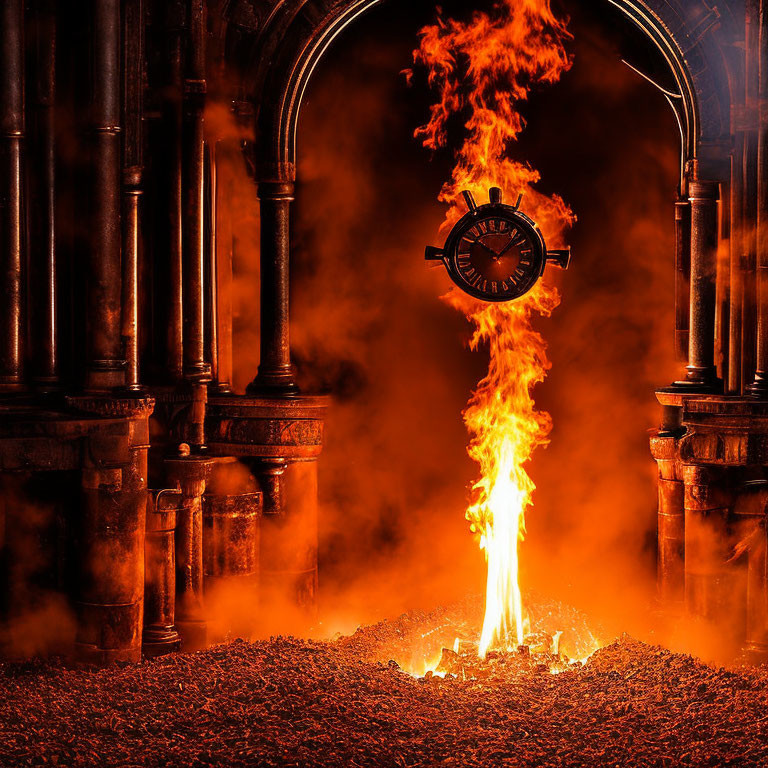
{"type": "Point", "coordinates": [696, 385]}
{"type": "Point", "coordinates": [274, 383]}
{"type": "Point", "coordinates": [159, 641]}
{"type": "Point", "coordinates": [759, 387]}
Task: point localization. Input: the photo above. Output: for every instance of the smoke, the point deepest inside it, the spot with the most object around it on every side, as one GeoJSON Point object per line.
{"type": "Point", "coordinates": [368, 326]}
{"type": "Point", "coordinates": [36, 618]}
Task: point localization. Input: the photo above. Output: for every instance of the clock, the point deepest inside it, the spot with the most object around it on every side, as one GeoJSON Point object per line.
{"type": "Point", "coordinates": [495, 252]}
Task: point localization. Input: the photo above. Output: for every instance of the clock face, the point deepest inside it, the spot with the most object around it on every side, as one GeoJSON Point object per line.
{"type": "Point", "coordinates": [497, 256]}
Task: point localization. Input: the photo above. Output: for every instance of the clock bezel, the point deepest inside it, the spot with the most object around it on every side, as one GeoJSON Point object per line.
{"type": "Point", "coordinates": [513, 216]}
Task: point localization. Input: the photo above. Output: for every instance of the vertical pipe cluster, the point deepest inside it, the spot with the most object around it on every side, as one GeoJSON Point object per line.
{"type": "Point", "coordinates": [42, 283]}
{"type": "Point", "coordinates": [11, 184]}
{"type": "Point", "coordinates": [104, 363]}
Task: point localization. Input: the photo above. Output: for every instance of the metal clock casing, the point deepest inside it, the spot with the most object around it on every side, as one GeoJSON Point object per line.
{"type": "Point", "coordinates": [496, 253]}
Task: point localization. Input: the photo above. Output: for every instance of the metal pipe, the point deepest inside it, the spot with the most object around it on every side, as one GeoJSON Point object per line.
{"type": "Point", "coordinates": [704, 239]}
{"type": "Point", "coordinates": [133, 53]}
{"type": "Point", "coordinates": [276, 375]}
{"type": "Point", "coordinates": [160, 635]}
{"type": "Point", "coordinates": [173, 123]}
{"type": "Point", "coordinates": [223, 244]}
{"type": "Point", "coordinates": [191, 476]}
{"type": "Point", "coordinates": [193, 182]}
{"type": "Point", "coordinates": [736, 267]}
{"type": "Point", "coordinates": [11, 211]}
{"type": "Point", "coordinates": [759, 387]}
{"type": "Point", "coordinates": [104, 363]}
{"type": "Point", "coordinates": [751, 80]}
{"type": "Point", "coordinates": [682, 277]}
{"type": "Point", "coordinates": [671, 523]}
{"type": "Point", "coordinates": [211, 306]}
{"type": "Point", "coordinates": [42, 283]}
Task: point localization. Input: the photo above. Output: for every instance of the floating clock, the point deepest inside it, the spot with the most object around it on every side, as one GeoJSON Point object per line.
{"type": "Point", "coordinates": [495, 252]}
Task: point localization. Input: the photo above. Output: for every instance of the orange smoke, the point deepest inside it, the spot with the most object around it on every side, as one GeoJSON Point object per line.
{"type": "Point", "coordinates": [483, 69]}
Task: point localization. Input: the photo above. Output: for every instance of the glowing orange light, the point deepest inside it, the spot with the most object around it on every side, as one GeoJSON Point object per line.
{"type": "Point", "coordinates": [483, 69]}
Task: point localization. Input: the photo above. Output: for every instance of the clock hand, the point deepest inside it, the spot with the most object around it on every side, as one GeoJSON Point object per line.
{"type": "Point", "coordinates": [513, 241]}
{"type": "Point", "coordinates": [488, 248]}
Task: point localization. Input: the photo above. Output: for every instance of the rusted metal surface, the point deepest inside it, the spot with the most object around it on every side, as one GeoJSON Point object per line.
{"type": "Point", "coordinates": [266, 427]}
{"type": "Point", "coordinates": [193, 182]}
{"type": "Point", "coordinates": [276, 373]}
{"type": "Point", "coordinates": [160, 635]}
{"type": "Point", "coordinates": [190, 474]}
{"type": "Point", "coordinates": [104, 362]}
{"type": "Point", "coordinates": [133, 143]}
{"type": "Point", "coordinates": [11, 190]}
{"type": "Point", "coordinates": [682, 277]}
{"type": "Point", "coordinates": [109, 538]}
{"type": "Point", "coordinates": [43, 299]}
{"type": "Point", "coordinates": [735, 382]}
{"type": "Point", "coordinates": [704, 240]}
{"type": "Point", "coordinates": [671, 522]}
{"type": "Point", "coordinates": [759, 387]}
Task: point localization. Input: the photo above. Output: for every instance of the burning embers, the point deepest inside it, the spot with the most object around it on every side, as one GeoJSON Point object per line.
{"type": "Point", "coordinates": [483, 69]}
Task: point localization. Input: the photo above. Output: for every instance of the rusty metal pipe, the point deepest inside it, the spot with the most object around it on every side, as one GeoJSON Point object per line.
{"type": "Point", "coordinates": [193, 183]}
{"type": "Point", "coordinates": [223, 245]}
{"type": "Point", "coordinates": [736, 268]}
{"type": "Point", "coordinates": [759, 387]}
{"type": "Point", "coordinates": [749, 232]}
{"type": "Point", "coordinates": [11, 184]}
{"type": "Point", "coordinates": [42, 284]}
{"type": "Point", "coordinates": [682, 277]}
{"type": "Point", "coordinates": [211, 304]}
{"type": "Point", "coordinates": [160, 635]}
{"type": "Point", "coordinates": [191, 475]}
{"type": "Point", "coordinates": [276, 373]}
{"type": "Point", "coordinates": [172, 120]}
{"type": "Point", "coordinates": [105, 367]}
{"type": "Point", "coordinates": [133, 57]}
{"type": "Point", "coordinates": [702, 373]}
{"type": "Point", "coordinates": [671, 523]}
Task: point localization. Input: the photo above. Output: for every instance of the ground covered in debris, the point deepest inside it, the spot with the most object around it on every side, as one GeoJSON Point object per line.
{"type": "Point", "coordinates": [289, 702]}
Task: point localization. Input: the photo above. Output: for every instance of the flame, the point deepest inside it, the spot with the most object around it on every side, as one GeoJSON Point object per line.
{"type": "Point", "coordinates": [482, 70]}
